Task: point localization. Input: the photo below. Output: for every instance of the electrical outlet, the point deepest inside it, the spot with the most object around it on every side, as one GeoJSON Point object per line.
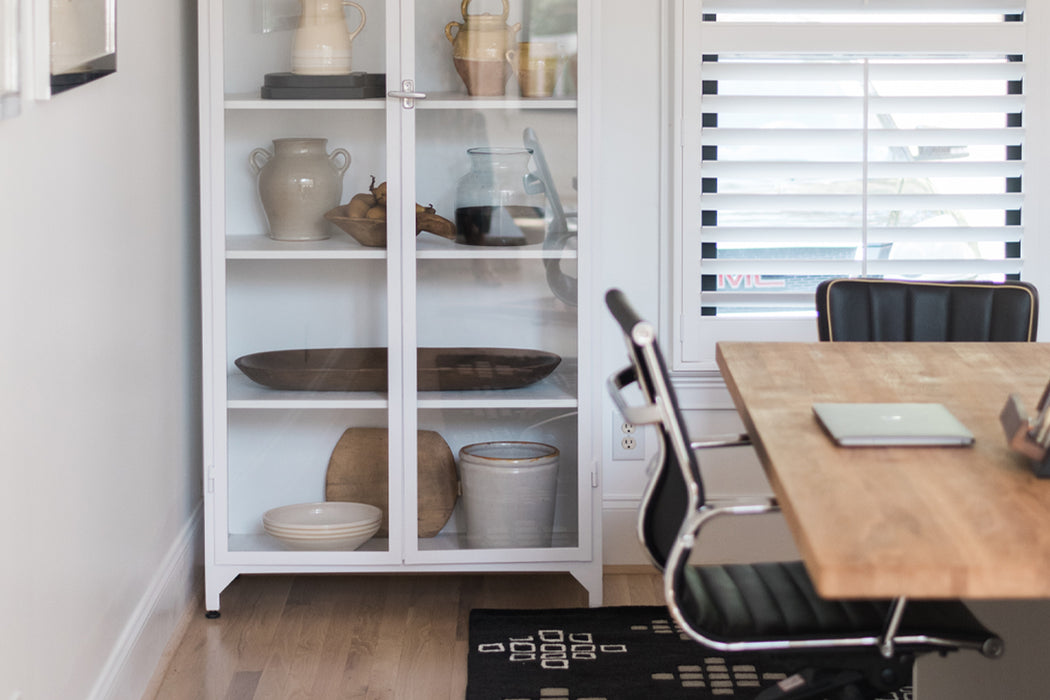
{"type": "Point", "coordinates": [628, 443]}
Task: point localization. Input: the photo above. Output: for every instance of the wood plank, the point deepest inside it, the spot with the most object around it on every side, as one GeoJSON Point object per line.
{"type": "Point", "coordinates": [336, 637]}
{"type": "Point", "coordinates": [877, 522]}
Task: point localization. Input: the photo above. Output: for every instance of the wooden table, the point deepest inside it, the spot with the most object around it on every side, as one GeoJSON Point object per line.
{"type": "Point", "coordinates": [926, 522]}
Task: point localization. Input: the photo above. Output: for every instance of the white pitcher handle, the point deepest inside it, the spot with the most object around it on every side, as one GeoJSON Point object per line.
{"type": "Point", "coordinates": [363, 18]}
{"type": "Point", "coordinates": [346, 159]}
{"type": "Point", "coordinates": [255, 155]}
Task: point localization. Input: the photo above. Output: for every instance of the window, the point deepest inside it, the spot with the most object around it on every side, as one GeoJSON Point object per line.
{"type": "Point", "coordinates": [856, 137]}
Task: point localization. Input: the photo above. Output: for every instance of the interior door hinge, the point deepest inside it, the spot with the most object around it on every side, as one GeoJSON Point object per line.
{"type": "Point", "coordinates": [209, 484]}
{"type": "Point", "coordinates": [594, 475]}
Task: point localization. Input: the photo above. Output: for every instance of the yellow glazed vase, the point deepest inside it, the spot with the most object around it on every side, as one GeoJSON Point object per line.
{"type": "Point", "coordinates": [479, 50]}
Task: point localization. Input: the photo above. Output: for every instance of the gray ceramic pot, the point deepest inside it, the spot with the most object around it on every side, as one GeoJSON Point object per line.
{"type": "Point", "coordinates": [298, 182]}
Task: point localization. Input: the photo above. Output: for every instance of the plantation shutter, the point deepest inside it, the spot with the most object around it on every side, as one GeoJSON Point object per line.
{"type": "Point", "coordinates": [853, 137]}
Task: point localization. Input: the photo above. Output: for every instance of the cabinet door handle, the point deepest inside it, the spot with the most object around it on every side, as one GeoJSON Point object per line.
{"type": "Point", "coordinates": [407, 94]}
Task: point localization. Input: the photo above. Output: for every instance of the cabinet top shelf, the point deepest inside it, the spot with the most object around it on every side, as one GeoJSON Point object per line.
{"type": "Point", "coordinates": [437, 100]}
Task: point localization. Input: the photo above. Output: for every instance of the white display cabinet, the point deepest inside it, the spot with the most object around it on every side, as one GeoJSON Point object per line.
{"type": "Point", "coordinates": [267, 447]}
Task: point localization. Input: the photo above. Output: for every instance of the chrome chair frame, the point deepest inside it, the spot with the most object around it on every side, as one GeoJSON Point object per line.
{"type": "Point", "coordinates": [648, 371]}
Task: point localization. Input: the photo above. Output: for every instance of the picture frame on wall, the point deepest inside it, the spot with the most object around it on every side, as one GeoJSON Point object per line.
{"type": "Point", "coordinates": [10, 53]}
{"type": "Point", "coordinates": [83, 42]}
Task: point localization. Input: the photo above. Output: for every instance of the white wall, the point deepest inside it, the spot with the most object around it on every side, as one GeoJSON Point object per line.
{"type": "Point", "coordinates": [634, 244]}
{"type": "Point", "coordinates": [99, 366]}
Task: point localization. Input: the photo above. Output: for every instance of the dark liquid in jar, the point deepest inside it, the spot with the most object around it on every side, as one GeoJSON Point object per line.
{"type": "Point", "coordinates": [499, 226]}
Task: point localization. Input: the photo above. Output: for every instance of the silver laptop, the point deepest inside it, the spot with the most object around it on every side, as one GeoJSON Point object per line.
{"type": "Point", "coordinates": [889, 424]}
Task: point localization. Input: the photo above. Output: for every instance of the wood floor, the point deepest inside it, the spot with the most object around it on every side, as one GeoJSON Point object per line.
{"type": "Point", "coordinates": [363, 637]}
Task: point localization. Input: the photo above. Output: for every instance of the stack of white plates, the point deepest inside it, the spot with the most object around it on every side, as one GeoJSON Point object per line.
{"type": "Point", "coordinates": [327, 525]}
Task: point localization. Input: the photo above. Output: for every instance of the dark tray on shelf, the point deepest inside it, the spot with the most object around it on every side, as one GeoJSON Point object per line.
{"type": "Point", "coordinates": [351, 86]}
{"type": "Point", "coordinates": [365, 369]}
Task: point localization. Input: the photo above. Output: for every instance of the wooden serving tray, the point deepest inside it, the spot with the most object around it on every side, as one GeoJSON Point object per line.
{"type": "Point", "coordinates": [364, 369]}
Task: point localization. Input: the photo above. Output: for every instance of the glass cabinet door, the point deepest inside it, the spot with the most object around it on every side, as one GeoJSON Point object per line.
{"type": "Point", "coordinates": [490, 278]}
{"type": "Point", "coordinates": [302, 311]}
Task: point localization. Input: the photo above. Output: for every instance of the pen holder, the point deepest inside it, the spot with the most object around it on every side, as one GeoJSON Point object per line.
{"type": "Point", "coordinates": [1018, 429]}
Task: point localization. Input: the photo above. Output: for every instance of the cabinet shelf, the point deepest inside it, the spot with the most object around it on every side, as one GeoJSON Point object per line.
{"type": "Point", "coordinates": [436, 100]}
{"type": "Point", "coordinates": [439, 248]}
{"type": "Point", "coordinates": [452, 544]}
{"type": "Point", "coordinates": [555, 391]}
{"type": "Point", "coordinates": [254, 101]}
{"type": "Point", "coordinates": [260, 247]}
{"type": "Point", "coordinates": [265, 543]}
{"type": "Point", "coordinates": [342, 247]}
{"type": "Point", "coordinates": [453, 100]}
{"type": "Point", "coordinates": [244, 393]}
{"type": "Point", "coordinates": [455, 542]}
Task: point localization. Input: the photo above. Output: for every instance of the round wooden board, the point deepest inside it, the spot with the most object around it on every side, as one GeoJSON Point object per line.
{"type": "Point", "coordinates": [357, 471]}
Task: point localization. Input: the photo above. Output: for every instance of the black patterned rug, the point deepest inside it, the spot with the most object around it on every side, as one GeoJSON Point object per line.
{"type": "Point", "coordinates": [613, 653]}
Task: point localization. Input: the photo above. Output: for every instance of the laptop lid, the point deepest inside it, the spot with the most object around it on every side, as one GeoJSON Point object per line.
{"type": "Point", "coordinates": [890, 424]}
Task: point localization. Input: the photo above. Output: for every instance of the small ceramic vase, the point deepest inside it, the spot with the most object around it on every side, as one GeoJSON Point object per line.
{"type": "Point", "coordinates": [298, 183]}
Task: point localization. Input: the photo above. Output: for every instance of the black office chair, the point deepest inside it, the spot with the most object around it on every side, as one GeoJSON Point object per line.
{"type": "Point", "coordinates": [846, 650]}
{"type": "Point", "coordinates": [869, 309]}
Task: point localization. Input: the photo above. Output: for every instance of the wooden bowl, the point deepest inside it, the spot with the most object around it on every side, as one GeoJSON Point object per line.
{"type": "Point", "coordinates": [367, 232]}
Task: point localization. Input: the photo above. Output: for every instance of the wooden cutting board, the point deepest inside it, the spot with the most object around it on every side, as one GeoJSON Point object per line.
{"type": "Point", "coordinates": [357, 472]}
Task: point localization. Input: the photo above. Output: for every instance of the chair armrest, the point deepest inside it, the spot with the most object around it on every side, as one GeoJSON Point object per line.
{"type": "Point", "coordinates": [639, 415]}
{"type": "Point", "coordinates": [727, 504]}
{"type": "Point", "coordinates": [733, 440]}
{"type": "Point", "coordinates": [690, 532]}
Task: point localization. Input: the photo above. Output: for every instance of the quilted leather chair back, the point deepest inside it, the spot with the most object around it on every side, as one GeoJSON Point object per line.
{"type": "Point", "coordinates": [889, 310]}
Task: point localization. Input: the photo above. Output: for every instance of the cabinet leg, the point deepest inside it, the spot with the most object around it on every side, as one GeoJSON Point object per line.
{"type": "Point", "coordinates": [216, 578]}
{"type": "Point", "coordinates": [590, 577]}
{"type": "Point", "coordinates": [211, 614]}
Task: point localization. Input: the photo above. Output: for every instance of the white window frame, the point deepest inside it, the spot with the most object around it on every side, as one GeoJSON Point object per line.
{"type": "Point", "coordinates": [692, 338]}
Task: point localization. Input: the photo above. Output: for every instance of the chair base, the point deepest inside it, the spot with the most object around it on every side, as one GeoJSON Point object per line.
{"type": "Point", "coordinates": [862, 680]}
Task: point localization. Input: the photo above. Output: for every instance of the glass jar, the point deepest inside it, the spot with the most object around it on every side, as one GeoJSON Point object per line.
{"type": "Point", "coordinates": [494, 207]}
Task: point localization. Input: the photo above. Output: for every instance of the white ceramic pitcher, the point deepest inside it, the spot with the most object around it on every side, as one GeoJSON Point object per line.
{"type": "Point", "coordinates": [323, 43]}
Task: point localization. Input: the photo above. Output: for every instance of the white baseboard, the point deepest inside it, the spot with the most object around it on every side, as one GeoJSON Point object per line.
{"type": "Point", "coordinates": [156, 618]}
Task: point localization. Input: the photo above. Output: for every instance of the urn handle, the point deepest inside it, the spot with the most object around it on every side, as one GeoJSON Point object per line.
{"type": "Point", "coordinates": [258, 158]}
{"type": "Point", "coordinates": [332, 158]}
{"type": "Point", "coordinates": [506, 9]}
{"type": "Point", "coordinates": [448, 31]}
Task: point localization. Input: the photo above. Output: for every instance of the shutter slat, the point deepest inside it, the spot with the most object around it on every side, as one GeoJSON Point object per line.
{"type": "Point", "coordinates": [946, 7]}
{"type": "Point", "coordinates": [764, 169]}
{"type": "Point", "coordinates": [822, 70]}
{"type": "Point", "coordinates": [832, 268]}
{"type": "Point", "coordinates": [1010, 136]}
{"type": "Point", "coordinates": [796, 236]}
{"type": "Point", "coordinates": [848, 202]}
{"type": "Point", "coordinates": [814, 104]}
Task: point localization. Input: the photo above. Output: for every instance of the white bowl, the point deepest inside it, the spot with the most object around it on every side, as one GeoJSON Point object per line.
{"type": "Point", "coordinates": [318, 517]}
{"type": "Point", "coordinates": [334, 543]}
{"type": "Point", "coordinates": [360, 525]}
{"type": "Point", "coordinates": [326, 525]}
